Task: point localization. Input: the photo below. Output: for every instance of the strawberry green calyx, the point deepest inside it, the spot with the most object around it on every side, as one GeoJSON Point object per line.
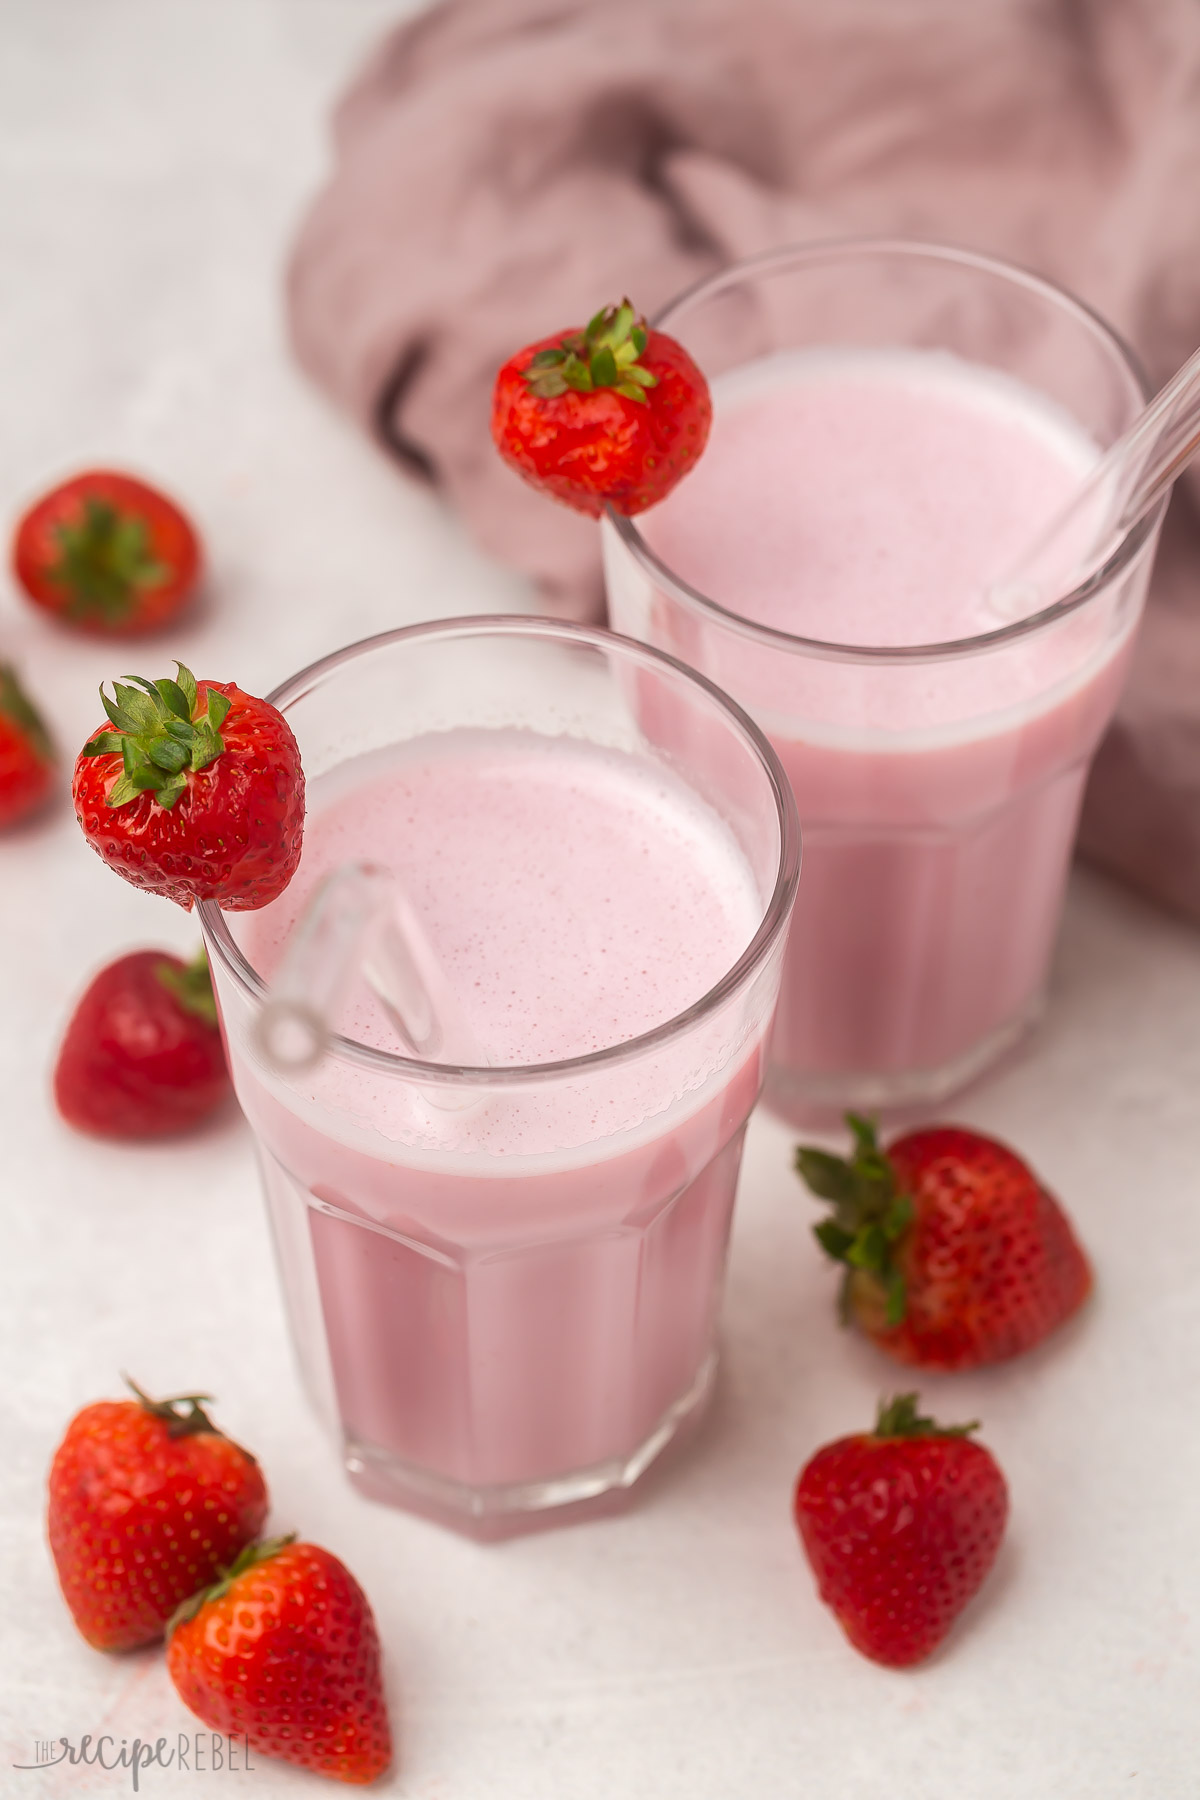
{"type": "Point", "coordinates": [869, 1215]}
{"type": "Point", "coordinates": [247, 1559]}
{"type": "Point", "coordinates": [186, 1423]}
{"type": "Point", "coordinates": [104, 561]}
{"type": "Point", "coordinates": [603, 355]}
{"type": "Point", "coordinates": [179, 1424]}
{"type": "Point", "coordinates": [899, 1418]}
{"type": "Point", "coordinates": [16, 705]}
{"type": "Point", "coordinates": [162, 734]}
{"type": "Point", "coordinates": [191, 987]}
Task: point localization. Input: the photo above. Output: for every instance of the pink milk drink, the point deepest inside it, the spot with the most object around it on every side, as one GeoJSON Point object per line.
{"type": "Point", "coordinates": [502, 1248]}
{"type": "Point", "coordinates": [893, 423]}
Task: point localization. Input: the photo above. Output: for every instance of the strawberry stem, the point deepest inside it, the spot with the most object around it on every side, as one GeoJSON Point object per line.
{"type": "Point", "coordinates": [16, 705]}
{"type": "Point", "coordinates": [162, 734]}
{"type": "Point", "coordinates": [870, 1216]}
{"type": "Point", "coordinates": [104, 561]}
{"type": "Point", "coordinates": [191, 987]}
{"type": "Point", "coordinates": [900, 1418]}
{"type": "Point", "coordinates": [179, 1424]}
{"type": "Point", "coordinates": [247, 1558]}
{"type": "Point", "coordinates": [603, 355]}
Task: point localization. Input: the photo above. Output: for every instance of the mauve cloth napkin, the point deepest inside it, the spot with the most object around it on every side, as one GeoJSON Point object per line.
{"type": "Point", "coordinates": [503, 166]}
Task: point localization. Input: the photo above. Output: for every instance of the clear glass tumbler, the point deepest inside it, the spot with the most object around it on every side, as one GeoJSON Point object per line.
{"type": "Point", "coordinates": [938, 784]}
{"type": "Point", "coordinates": [494, 1336]}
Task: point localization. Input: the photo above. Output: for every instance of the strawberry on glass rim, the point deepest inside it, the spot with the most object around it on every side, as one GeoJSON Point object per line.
{"type": "Point", "coordinates": [193, 790]}
{"type": "Point", "coordinates": [614, 414]}
{"type": "Point", "coordinates": [107, 553]}
{"type": "Point", "coordinates": [954, 1254]}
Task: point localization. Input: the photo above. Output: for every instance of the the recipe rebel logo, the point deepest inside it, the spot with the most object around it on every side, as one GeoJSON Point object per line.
{"type": "Point", "coordinates": [199, 1752]}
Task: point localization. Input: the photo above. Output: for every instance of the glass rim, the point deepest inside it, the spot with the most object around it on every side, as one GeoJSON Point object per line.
{"type": "Point", "coordinates": [826, 250]}
{"type": "Point", "coordinates": [514, 625]}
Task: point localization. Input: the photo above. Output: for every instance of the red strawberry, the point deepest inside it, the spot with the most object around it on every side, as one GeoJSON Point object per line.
{"type": "Point", "coordinates": [901, 1526]}
{"type": "Point", "coordinates": [148, 1502]}
{"type": "Point", "coordinates": [107, 553]}
{"type": "Point", "coordinates": [142, 1056]}
{"type": "Point", "coordinates": [955, 1254]}
{"type": "Point", "coordinates": [284, 1652]}
{"type": "Point", "coordinates": [613, 415]}
{"type": "Point", "coordinates": [197, 794]}
{"type": "Point", "coordinates": [26, 754]}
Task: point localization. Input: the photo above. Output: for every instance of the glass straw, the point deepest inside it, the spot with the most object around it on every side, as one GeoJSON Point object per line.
{"type": "Point", "coordinates": [1132, 475]}
{"type": "Point", "coordinates": [360, 923]}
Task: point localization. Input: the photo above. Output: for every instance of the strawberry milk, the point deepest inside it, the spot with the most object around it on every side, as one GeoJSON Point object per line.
{"type": "Point", "coordinates": [503, 1289]}
{"type": "Point", "coordinates": [854, 504]}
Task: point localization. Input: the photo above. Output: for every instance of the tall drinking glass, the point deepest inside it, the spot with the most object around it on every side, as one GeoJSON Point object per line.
{"type": "Point", "coordinates": [938, 783]}
{"type": "Point", "coordinates": [503, 1282]}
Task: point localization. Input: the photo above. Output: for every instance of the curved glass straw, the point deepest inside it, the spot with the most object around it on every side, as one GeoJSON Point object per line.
{"type": "Point", "coordinates": [1132, 475]}
{"type": "Point", "coordinates": [359, 923]}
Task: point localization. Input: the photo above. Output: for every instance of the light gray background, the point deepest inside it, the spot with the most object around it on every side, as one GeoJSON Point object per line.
{"type": "Point", "coordinates": [154, 155]}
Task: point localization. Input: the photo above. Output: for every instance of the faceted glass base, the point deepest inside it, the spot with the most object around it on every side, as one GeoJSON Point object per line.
{"type": "Point", "coordinates": [801, 1097]}
{"type": "Point", "coordinates": [504, 1511]}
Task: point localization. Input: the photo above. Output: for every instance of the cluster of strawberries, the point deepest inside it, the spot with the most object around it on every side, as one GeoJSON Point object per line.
{"type": "Point", "coordinates": [154, 1523]}
{"type": "Point", "coordinates": [953, 1256]}
{"type": "Point", "coordinates": [193, 790]}
{"type": "Point", "coordinates": [106, 554]}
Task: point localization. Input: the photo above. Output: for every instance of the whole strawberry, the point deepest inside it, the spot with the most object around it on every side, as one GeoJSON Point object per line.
{"type": "Point", "coordinates": [196, 792]}
{"type": "Point", "coordinates": [955, 1254]}
{"type": "Point", "coordinates": [613, 415]}
{"type": "Point", "coordinates": [26, 753]}
{"type": "Point", "coordinates": [142, 1056]}
{"type": "Point", "coordinates": [901, 1526]}
{"type": "Point", "coordinates": [148, 1502]}
{"type": "Point", "coordinates": [107, 553]}
{"type": "Point", "coordinates": [284, 1652]}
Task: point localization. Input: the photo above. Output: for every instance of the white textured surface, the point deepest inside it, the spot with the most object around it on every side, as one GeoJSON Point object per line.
{"type": "Point", "coordinates": [152, 157]}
